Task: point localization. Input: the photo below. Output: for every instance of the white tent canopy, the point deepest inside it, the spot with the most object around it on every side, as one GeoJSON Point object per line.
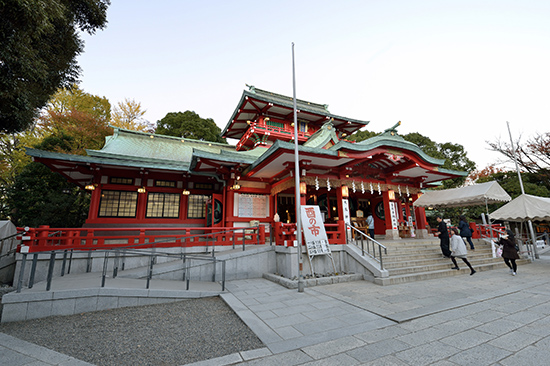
{"type": "Point", "coordinates": [477, 194]}
{"type": "Point", "coordinates": [524, 207]}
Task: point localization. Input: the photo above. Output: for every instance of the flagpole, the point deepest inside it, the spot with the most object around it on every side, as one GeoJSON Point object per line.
{"type": "Point", "coordinates": [297, 181]}
{"type": "Point", "coordinates": [531, 231]}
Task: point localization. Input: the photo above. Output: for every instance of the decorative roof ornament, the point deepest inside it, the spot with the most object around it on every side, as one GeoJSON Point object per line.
{"type": "Point", "coordinates": [392, 130]}
{"type": "Point", "coordinates": [251, 88]}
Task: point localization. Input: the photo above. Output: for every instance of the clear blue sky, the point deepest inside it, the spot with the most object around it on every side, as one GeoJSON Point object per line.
{"type": "Point", "coordinates": [454, 71]}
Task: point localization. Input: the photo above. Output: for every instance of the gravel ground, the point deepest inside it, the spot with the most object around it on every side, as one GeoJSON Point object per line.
{"type": "Point", "coordinates": [167, 334]}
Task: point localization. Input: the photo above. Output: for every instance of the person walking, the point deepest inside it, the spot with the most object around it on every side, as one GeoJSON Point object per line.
{"type": "Point", "coordinates": [509, 252]}
{"type": "Point", "coordinates": [370, 225]}
{"type": "Point", "coordinates": [458, 249]}
{"type": "Point", "coordinates": [465, 231]}
{"type": "Point", "coordinates": [443, 235]}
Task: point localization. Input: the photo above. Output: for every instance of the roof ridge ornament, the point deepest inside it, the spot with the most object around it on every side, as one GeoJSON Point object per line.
{"type": "Point", "coordinates": [392, 130]}
{"type": "Point", "coordinates": [251, 88]}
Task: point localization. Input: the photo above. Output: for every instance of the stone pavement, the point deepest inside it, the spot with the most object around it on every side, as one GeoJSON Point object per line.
{"type": "Point", "coordinates": [491, 318]}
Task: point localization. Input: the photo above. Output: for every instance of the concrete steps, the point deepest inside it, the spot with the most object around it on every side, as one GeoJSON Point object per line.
{"type": "Point", "coordinates": [418, 260]}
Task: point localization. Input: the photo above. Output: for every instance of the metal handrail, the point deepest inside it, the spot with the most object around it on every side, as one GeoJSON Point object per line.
{"type": "Point", "coordinates": [126, 249]}
{"type": "Point", "coordinates": [369, 240]}
{"type": "Point", "coordinates": [151, 254]}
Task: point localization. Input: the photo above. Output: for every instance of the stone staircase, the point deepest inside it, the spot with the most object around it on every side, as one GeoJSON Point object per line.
{"type": "Point", "coordinates": [421, 259]}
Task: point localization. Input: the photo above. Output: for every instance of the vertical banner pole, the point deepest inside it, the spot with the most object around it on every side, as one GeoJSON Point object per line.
{"type": "Point", "coordinates": [297, 181]}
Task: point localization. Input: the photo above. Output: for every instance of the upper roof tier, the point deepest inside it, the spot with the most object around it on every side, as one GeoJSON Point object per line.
{"type": "Point", "coordinates": [255, 103]}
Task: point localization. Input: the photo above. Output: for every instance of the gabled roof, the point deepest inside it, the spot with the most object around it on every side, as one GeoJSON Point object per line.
{"type": "Point", "coordinates": [135, 145]}
{"type": "Point", "coordinates": [127, 149]}
{"type": "Point", "coordinates": [323, 137]}
{"type": "Point", "coordinates": [255, 102]}
{"type": "Point", "coordinates": [389, 140]}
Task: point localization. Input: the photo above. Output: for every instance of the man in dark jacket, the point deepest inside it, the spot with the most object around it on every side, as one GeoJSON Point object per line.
{"type": "Point", "coordinates": [465, 231]}
{"type": "Point", "coordinates": [443, 235]}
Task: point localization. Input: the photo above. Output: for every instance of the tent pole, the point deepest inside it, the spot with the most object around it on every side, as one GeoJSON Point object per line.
{"type": "Point", "coordinates": [533, 237]}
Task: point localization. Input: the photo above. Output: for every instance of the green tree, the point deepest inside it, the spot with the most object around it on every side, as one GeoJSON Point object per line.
{"type": "Point", "coordinates": [425, 144]}
{"type": "Point", "coordinates": [65, 100]}
{"type": "Point", "coordinates": [361, 135]}
{"type": "Point", "coordinates": [13, 159]}
{"type": "Point", "coordinates": [456, 159]}
{"type": "Point", "coordinates": [73, 122]}
{"type": "Point", "coordinates": [39, 43]}
{"type": "Point", "coordinates": [42, 197]}
{"type": "Point", "coordinates": [189, 125]}
{"type": "Point", "coordinates": [533, 183]}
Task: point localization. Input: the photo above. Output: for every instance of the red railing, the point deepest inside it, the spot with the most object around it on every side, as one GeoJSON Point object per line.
{"type": "Point", "coordinates": [486, 231]}
{"type": "Point", "coordinates": [45, 239]}
{"type": "Point", "coordinates": [285, 234]}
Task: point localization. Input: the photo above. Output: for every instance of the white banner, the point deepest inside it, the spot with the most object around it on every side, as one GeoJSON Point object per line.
{"type": "Point", "coordinates": [314, 231]}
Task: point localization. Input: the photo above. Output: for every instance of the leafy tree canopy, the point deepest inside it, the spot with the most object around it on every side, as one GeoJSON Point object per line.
{"type": "Point", "coordinates": [39, 43]}
{"type": "Point", "coordinates": [66, 100]}
{"type": "Point", "coordinates": [78, 118]}
{"type": "Point", "coordinates": [129, 115]}
{"type": "Point", "coordinates": [189, 125]}
{"type": "Point", "coordinates": [42, 197]}
{"type": "Point", "coordinates": [532, 156]}
{"type": "Point", "coordinates": [72, 122]}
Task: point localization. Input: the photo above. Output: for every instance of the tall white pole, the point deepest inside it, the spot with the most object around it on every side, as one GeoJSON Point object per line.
{"type": "Point", "coordinates": [297, 182]}
{"type": "Point", "coordinates": [531, 231]}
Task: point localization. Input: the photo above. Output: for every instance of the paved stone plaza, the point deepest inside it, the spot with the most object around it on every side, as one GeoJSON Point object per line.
{"type": "Point", "coordinates": [491, 318]}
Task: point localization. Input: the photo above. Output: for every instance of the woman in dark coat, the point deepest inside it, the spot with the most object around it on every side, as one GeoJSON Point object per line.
{"type": "Point", "coordinates": [509, 252]}
{"type": "Point", "coordinates": [443, 235]}
{"type": "Point", "coordinates": [465, 231]}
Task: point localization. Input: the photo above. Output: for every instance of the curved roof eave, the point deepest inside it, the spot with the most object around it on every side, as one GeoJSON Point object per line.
{"type": "Point", "coordinates": [378, 141]}
{"type": "Point", "coordinates": [224, 156]}
{"type": "Point", "coordinates": [113, 161]}
{"type": "Point", "coordinates": [278, 145]}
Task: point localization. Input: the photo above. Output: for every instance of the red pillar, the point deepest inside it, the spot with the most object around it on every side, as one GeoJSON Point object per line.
{"type": "Point", "coordinates": [339, 198]}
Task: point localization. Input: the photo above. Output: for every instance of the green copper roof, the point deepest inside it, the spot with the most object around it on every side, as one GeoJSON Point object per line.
{"type": "Point", "coordinates": [389, 140]}
{"type": "Point", "coordinates": [145, 147]}
{"type": "Point", "coordinates": [323, 136]}
{"type": "Point", "coordinates": [108, 160]}
{"type": "Point", "coordinates": [233, 158]}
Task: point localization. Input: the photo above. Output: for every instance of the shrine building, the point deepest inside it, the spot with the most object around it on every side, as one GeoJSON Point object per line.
{"type": "Point", "coordinates": [147, 180]}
